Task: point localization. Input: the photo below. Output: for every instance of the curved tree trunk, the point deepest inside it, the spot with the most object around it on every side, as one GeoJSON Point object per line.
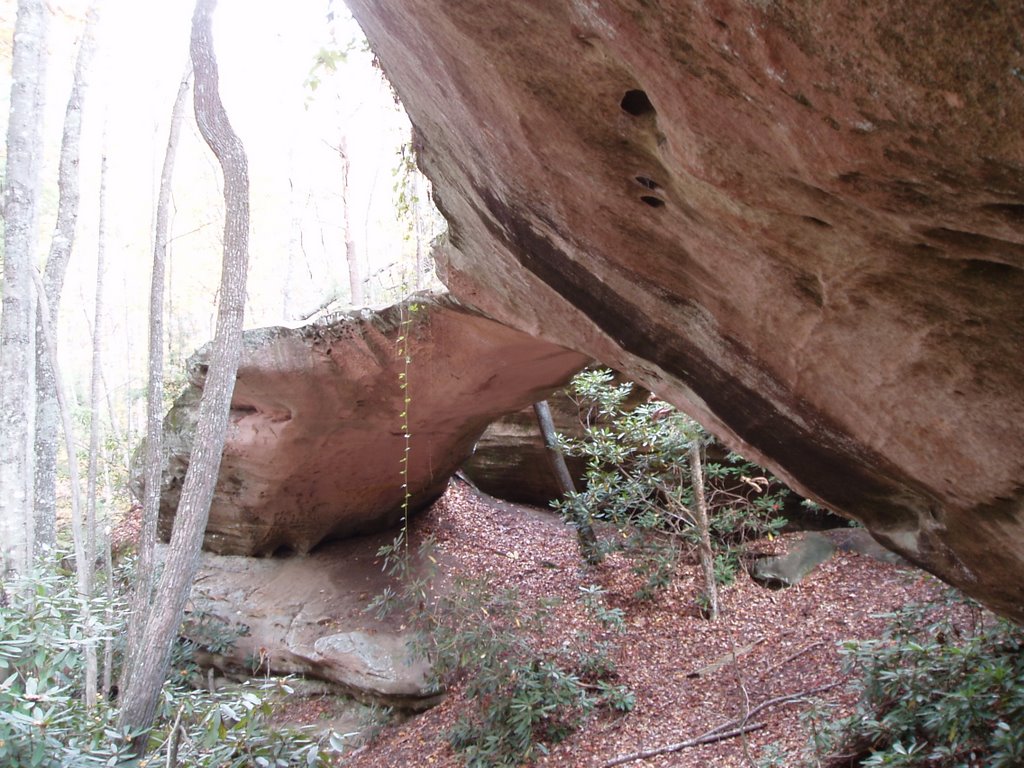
{"type": "Point", "coordinates": [140, 700]}
{"type": "Point", "coordinates": [143, 589]}
{"type": "Point", "coordinates": [17, 357]}
{"type": "Point", "coordinates": [47, 418]}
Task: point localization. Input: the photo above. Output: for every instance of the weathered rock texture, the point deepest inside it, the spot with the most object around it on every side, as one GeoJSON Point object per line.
{"type": "Point", "coordinates": [801, 222]}
{"type": "Point", "coordinates": [315, 445]}
{"type": "Point", "coordinates": [309, 616]}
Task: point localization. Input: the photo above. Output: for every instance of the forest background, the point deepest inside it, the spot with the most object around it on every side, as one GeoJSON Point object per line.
{"type": "Point", "coordinates": [328, 147]}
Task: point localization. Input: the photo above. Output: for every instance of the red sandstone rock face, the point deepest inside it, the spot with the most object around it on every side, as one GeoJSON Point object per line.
{"type": "Point", "coordinates": [315, 444]}
{"type": "Point", "coordinates": [802, 222]}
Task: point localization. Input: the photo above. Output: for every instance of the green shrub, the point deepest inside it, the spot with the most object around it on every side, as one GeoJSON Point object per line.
{"type": "Point", "coordinates": [638, 478]}
{"type": "Point", "coordinates": [44, 722]}
{"type": "Point", "coordinates": [528, 690]}
{"type": "Point", "coordinates": [932, 691]}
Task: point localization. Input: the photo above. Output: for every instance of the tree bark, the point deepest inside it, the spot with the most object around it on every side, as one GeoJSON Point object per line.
{"type": "Point", "coordinates": [83, 567]}
{"type": "Point", "coordinates": [707, 555]}
{"type": "Point", "coordinates": [140, 700]}
{"type": "Point", "coordinates": [143, 589]}
{"type": "Point", "coordinates": [416, 205]}
{"type": "Point", "coordinates": [585, 535]}
{"type": "Point", "coordinates": [89, 566]}
{"type": "Point", "coordinates": [47, 418]}
{"type": "Point", "coordinates": [355, 274]}
{"type": "Point", "coordinates": [17, 363]}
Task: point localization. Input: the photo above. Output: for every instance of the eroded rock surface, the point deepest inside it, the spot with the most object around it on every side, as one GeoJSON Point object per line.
{"type": "Point", "coordinates": [316, 448]}
{"type": "Point", "coordinates": [308, 616]}
{"type": "Point", "coordinates": [801, 222]}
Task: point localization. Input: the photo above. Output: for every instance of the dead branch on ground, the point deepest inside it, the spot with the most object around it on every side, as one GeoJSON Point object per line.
{"type": "Point", "coordinates": [729, 730]}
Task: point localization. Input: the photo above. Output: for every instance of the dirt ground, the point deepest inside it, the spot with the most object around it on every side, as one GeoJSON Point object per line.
{"type": "Point", "coordinates": [689, 675]}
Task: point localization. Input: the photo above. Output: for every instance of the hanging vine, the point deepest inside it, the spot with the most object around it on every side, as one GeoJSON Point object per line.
{"type": "Point", "coordinates": [396, 554]}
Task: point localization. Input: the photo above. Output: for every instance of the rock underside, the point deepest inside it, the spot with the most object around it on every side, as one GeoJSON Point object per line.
{"type": "Point", "coordinates": [803, 223]}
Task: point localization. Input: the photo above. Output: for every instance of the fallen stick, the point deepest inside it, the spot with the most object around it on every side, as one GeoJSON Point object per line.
{"type": "Point", "coordinates": [710, 737]}
{"type": "Point", "coordinates": [785, 699]}
{"type": "Point", "coordinates": [728, 730]}
{"type": "Point", "coordinates": [794, 657]}
{"type": "Point", "coordinates": [731, 656]}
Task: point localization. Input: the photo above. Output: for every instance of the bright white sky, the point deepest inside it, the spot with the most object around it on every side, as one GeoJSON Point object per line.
{"type": "Point", "coordinates": [265, 50]}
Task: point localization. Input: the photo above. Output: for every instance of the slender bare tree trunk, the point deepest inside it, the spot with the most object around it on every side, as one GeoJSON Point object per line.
{"type": "Point", "coordinates": [108, 564]}
{"type": "Point", "coordinates": [585, 535]}
{"type": "Point", "coordinates": [144, 573]}
{"type": "Point", "coordinates": [294, 243]}
{"type": "Point", "coordinates": [83, 567]}
{"type": "Point", "coordinates": [707, 555]}
{"type": "Point", "coordinates": [108, 568]}
{"type": "Point", "coordinates": [140, 700]}
{"type": "Point", "coordinates": [121, 439]}
{"type": "Point", "coordinates": [420, 281]}
{"type": "Point", "coordinates": [89, 567]}
{"type": "Point", "coordinates": [17, 364]}
{"type": "Point", "coordinates": [355, 274]}
{"type": "Point", "coordinates": [20, 197]}
{"type": "Point", "coordinates": [47, 418]}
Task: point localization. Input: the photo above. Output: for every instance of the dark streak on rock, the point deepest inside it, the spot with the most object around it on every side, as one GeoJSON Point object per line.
{"type": "Point", "coordinates": [864, 485]}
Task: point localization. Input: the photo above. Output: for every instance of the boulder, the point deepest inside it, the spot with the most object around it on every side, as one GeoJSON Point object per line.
{"type": "Point", "coordinates": [316, 443]}
{"type": "Point", "coordinates": [802, 556]}
{"type": "Point", "coordinates": [859, 540]}
{"type": "Point", "coordinates": [309, 616]}
{"type": "Point", "coordinates": [803, 223]}
{"type": "Point", "coordinates": [511, 462]}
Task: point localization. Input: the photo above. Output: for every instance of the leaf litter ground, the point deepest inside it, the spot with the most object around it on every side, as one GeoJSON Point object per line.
{"type": "Point", "coordinates": [689, 675]}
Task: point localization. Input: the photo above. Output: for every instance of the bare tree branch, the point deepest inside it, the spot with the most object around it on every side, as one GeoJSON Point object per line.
{"type": "Point", "coordinates": [729, 730]}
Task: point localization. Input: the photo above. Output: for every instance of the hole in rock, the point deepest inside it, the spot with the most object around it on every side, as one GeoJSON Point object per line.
{"type": "Point", "coordinates": [283, 552]}
{"type": "Point", "coordinates": [643, 181]}
{"type": "Point", "coordinates": [651, 200]}
{"type": "Point", "coordinates": [239, 412]}
{"type": "Point", "coordinates": [816, 221]}
{"type": "Point", "coordinates": [636, 103]}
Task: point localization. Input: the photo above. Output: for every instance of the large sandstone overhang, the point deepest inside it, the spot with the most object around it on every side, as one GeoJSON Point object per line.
{"type": "Point", "coordinates": [802, 222]}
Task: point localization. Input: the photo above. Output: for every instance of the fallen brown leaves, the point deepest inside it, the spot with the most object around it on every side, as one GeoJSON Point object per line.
{"type": "Point", "coordinates": [680, 666]}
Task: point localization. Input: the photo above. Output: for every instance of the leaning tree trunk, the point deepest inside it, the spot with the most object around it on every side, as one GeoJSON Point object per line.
{"type": "Point", "coordinates": [140, 700]}
{"type": "Point", "coordinates": [707, 555]}
{"type": "Point", "coordinates": [17, 364]}
{"type": "Point", "coordinates": [143, 588]}
{"type": "Point", "coordinates": [47, 418]}
{"type": "Point", "coordinates": [585, 535]}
